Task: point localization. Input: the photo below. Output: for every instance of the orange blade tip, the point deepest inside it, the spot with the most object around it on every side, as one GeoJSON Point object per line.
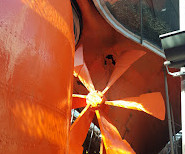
{"type": "Point", "coordinates": [79, 129]}
{"type": "Point", "coordinates": [151, 103]}
{"type": "Point", "coordinates": [112, 140]}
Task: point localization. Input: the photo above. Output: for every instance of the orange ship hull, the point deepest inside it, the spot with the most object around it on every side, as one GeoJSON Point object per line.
{"type": "Point", "coordinates": [36, 65]}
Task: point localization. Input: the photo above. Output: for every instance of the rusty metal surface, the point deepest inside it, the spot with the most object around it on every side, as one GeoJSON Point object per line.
{"type": "Point", "coordinates": [36, 64]}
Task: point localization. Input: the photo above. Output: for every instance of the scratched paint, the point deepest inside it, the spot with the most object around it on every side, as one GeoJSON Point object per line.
{"type": "Point", "coordinates": [36, 67]}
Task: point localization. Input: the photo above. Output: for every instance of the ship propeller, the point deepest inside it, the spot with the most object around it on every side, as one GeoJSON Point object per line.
{"type": "Point", "coordinates": [94, 101]}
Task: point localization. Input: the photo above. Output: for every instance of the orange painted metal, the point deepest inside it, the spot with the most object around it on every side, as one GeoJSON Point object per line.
{"type": "Point", "coordinates": [99, 40]}
{"type": "Point", "coordinates": [36, 73]}
{"type": "Point", "coordinates": [96, 99]}
{"type": "Point", "coordinates": [112, 140]}
{"type": "Point", "coordinates": [102, 148]}
{"type": "Point", "coordinates": [123, 64]}
{"type": "Point", "coordinates": [78, 101]}
{"type": "Point", "coordinates": [145, 102]}
{"type": "Point", "coordinates": [79, 129]}
{"type": "Point", "coordinates": [81, 70]}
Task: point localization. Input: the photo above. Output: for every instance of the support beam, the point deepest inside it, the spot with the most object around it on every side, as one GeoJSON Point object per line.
{"type": "Point", "coordinates": [182, 27]}
{"type": "Point", "coordinates": [174, 132]}
{"type": "Point", "coordinates": [72, 115]}
{"type": "Point", "coordinates": [168, 113]}
{"type": "Point", "coordinates": [183, 111]}
{"type": "Point", "coordinates": [91, 138]}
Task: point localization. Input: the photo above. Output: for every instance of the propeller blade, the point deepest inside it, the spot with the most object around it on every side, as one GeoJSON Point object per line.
{"type": "Point", "coordinates": [102, 148]}
{"type": "Point", "coordinates": [112, 140]}
{"type": "Point", "coordinates": [78, 101]}
{"type": "Point", "coordinates": [151, 103]}
{"type": "Point", "coordinates": [81, 70]}
{"type": "Point", "coordinates": [122, 65]}
{"type": "Point", "coordinates": [79, 129]}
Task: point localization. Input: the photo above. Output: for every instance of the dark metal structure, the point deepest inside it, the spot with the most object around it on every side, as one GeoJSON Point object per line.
{"type": "Point", "coordinates": [174, 48]}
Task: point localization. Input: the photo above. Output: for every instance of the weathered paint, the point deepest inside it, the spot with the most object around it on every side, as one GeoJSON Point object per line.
{"type": "Point", "coordinates": [36, 64]}
{"type": "Point", "coordinates": [151, 103]}
{"type": "Point", "coordinates": [99, 39]}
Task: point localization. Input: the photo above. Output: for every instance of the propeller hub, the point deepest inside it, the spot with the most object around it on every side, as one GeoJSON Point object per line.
{"type": "Point", "coordinates": [95, 98]}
